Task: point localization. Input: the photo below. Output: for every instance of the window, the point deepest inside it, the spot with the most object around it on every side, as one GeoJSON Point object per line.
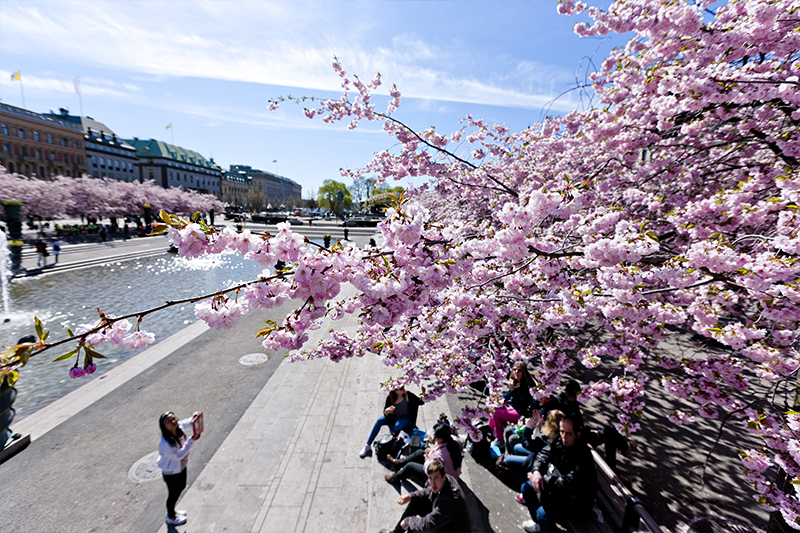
{"type": "Point", "coordinates": [49, 138]}
{"type": "Point", "coordinates": [102, 162]}
{"type": "Point", "coordinates": [94, 161]}
{"type": "Point", "coordinates": [21, 133]}
{"type": "Point", "coordinates": [24, 151]}
{"type": "Point", "coordinates": [116, 163]}
{"type": "Point", "coordinates": [64, 142]}
{"type": "Point", "coordinates": [38, 153]}
{"type": "Point", "coordinates": [52, 156]}
{"type": "Point", "coordinates": [36, 136]}
{"type": "Point", "coordinates": [94, 174]}
{"type": "Point", "coordinates": [75, 143]}
{"type": "Point", "coordinates": [7, 148]}
{"type": "Point", "coordinates": [5, 129]}
{"type": "Point", "coordinates": [130, 166]}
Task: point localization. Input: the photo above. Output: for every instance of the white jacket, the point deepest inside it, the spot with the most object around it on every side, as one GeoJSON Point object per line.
{"type": "Point", "coordinates": [171, 459]}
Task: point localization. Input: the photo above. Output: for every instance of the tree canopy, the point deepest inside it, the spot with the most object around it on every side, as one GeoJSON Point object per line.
{"type": "Point", "coordinates": [328, 196]}
{"type": "Point", "coordinates": [64, 196]}
{"type": "Point", "coordinates": [671, 207]}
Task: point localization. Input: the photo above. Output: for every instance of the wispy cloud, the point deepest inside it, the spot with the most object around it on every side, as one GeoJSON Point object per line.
{"type": "Point", "coordinates": [88, 86]}
{"type": "Point", "coordinates": [277, 43]}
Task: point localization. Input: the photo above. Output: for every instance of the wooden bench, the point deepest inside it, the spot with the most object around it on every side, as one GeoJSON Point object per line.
{"type": "Point", "coordinates": [622, 511]}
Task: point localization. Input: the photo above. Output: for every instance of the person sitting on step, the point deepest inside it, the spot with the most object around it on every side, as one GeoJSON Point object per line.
{"type": "Point", "coordinates": [440, 506]}
{"type": "Point", "coordinates": [399, 413]}
{"type": "Point", "coordinates": [445, 449]}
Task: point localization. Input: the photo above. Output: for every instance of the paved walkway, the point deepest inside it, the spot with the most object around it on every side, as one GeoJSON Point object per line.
{"type": "Point", "coordinates": [291, 464]}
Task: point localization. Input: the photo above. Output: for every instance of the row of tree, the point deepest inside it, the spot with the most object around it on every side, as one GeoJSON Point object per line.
{"type": "Point", "coordinates": [338, 197]}
{"type": "Point", "coordinates": [63, 196]}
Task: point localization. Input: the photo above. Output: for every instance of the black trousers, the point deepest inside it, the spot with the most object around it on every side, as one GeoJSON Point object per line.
{"type": "Point", "coordinates": [416, 507]}
{"type": "Point", "coordinates": [175, 485]}
{"type": "Point", "coordinates": [413, 468]}
{"type": "Point", "coordinates": [612, 441]}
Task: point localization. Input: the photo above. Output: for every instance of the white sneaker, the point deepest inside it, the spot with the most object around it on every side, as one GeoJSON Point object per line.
{"type": "Point", "coordinates": [181, 513]}
{"type": "Point", "coordinates": [531, 527]}
{"type": "Point", "coordinates": [177, 521]}
{"type": "Point", "coordinates": [365, 451]}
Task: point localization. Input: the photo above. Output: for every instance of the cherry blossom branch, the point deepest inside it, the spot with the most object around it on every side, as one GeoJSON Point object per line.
{"type": "Point", "coordinates": [108, 321]}
{"type": "Point", "coordinates": [502, 186]}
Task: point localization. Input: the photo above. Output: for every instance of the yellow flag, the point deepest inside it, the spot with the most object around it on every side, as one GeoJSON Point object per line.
{"type": "Point", "coordinates": [16, 76]}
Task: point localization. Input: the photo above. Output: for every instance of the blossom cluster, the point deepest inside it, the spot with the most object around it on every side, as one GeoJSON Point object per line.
{"type": "Point", "coordinates": [595, 238]}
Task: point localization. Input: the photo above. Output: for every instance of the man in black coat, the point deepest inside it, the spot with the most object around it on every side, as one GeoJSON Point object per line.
{"type": "Point", "coordinates": [607, 436]}
{"type": "Point", "coordinates": [564, 480]}
{"type": "Point", "coordinates": [440, 506]}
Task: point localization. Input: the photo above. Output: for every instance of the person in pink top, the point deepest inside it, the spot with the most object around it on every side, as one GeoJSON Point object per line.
{"type": "Point", "coordinates": [445, 449]}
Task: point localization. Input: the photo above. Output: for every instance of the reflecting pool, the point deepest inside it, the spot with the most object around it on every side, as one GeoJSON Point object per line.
{"type": "Point", "coordinates": [117, 288]}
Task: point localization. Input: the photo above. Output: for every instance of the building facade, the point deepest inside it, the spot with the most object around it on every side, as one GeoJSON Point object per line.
{"type": "Point", "coordinates": [106, 154]}
{"type": "Point", "coordinates": [37, 145]}
{"type": "Point", "coordinates": [172, 166]}
{"type": "Point", "coordinates": [277, 190]}
{"type": "Point", "coordinates": [235, 186]}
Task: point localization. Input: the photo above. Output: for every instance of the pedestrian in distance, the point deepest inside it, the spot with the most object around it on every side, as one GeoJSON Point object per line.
{"type": "Point", "coordinates": [41, 249]}
{"type": "Point", "coordinates": [173, 453]}
{"type": "Point", "coordinates": [56, 250]}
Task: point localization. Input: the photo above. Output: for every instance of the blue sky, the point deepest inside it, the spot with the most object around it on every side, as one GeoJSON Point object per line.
{"type": "Point", "coordinates": [210, 67]}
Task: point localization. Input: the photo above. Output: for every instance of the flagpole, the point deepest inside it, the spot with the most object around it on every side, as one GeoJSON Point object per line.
{"type": "Point", "coordinates": [22, 92]}
{"type": "Point", "coordinates": [77, 90]}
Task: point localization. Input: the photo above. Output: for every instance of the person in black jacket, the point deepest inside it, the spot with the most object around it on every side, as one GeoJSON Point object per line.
{"type": "Point", "coordinates": [564, 479]}
{"type": "Point", "coordinates": [440, 506]}
{"type": "Point", "coordinates": [399, 413]}
{"type": "Point", "coordinates": [607, 436]}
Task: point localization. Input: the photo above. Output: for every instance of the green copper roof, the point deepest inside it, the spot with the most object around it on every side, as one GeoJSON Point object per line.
{"type": "Point", "coordinates": [154, 148]}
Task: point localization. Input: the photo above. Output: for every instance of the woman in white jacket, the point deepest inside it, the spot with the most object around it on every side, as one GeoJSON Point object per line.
{"type": "Point", "coordinates": [173, 453]}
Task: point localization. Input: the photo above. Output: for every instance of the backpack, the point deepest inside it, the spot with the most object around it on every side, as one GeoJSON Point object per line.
{"type": "Point", "coordinates": [481, 449]}
{"type": "Point", "coordinates": [386, 444]}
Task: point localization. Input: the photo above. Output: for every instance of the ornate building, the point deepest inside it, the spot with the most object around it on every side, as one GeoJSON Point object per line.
{"type": "Point", "coordinates": [39, 145]}
{"type": "Point", "coordinates": [106, 154]}
{"type": "Point", "coordinates": [173, 166]}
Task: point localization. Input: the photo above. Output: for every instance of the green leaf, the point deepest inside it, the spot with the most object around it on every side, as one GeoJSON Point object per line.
{"type": "Point", "coordinates": [69, 332]}
{"type": "Point", "coordinates": [12, 377]}
{"type": "Point", "coordinates": [93, 354]}
{"type": "Point", "coordinates": [158, 229]}
{"type": "Point", "coordinates": [39, 327]}
{"type": "Point", "coordinates": [66, 355]}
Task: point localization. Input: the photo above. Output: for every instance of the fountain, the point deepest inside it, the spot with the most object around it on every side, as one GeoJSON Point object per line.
{"type": "Point", "coordinates": [5, 274]}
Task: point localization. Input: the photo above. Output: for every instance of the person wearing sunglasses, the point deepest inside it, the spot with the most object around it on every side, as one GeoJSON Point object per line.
{"type": "Point", "coordinates": [399, 414]}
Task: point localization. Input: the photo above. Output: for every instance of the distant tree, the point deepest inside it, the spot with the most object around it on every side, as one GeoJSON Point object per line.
{"type": "Point", "coordinates": [399, 189]}
{"type": "Point", "coordinates": [328, 196]}
{"type": "Point", "coordinates": [254, 199]}
{"type": "Point", "coordinates": [361, 189]}
{"type": "Point", "coordinates": [98, 197]}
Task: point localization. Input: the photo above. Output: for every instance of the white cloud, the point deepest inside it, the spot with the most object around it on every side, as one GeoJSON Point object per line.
{"type": "Point", "coordinates": [277, 43]}
{"type": "Point", "coordinates": [33, 83]}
